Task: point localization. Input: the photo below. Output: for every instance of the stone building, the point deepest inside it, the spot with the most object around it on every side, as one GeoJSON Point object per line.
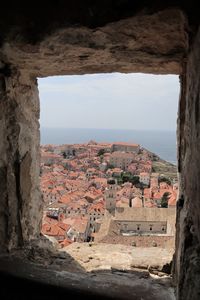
{"type": "Point", "coordinates": [143, 227]}
{"type": "Point", "coordinates": [121, 160]}
{"type": "Point", "coordinates": [147, 221]}
{"type": "Point", "coordinates": [79, 229]}
{"type": "Point", "coordinates": [125, 147]}
{"type": "Point", "coordinates": [145, 178]}
{"type": "Point", "coordinates": [110, 195]}
{"type": "Point", "coordinates": [136, 220]}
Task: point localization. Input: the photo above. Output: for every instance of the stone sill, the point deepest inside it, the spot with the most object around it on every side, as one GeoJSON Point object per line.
{"type": "Point", "coordinates": [54, 279]}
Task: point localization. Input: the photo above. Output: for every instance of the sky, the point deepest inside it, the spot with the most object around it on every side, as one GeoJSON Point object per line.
{"type": "Point", "coordinates": [110, 101]}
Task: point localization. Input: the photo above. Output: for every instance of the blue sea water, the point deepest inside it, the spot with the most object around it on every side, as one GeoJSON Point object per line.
{"type": "Point", "coordinates": [162, 143]}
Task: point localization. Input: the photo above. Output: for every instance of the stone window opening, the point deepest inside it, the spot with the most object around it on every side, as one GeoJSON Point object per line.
{"type": "Point", "coordinates": [20, 134]}
{"type": "Point", "coordinates": [138, 227]}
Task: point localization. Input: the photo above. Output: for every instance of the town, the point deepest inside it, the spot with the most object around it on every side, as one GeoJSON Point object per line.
{"type": "Point", "coordinates": [108, 193]}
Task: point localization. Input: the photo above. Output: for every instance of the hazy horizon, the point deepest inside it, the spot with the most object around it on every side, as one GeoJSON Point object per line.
{"type": "Point", "coordinates": [114, 129]}
{"type": "Point", "coordinates": [163, 143]}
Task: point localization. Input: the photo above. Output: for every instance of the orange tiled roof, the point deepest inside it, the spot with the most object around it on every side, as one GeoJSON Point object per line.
{"type": "Point", "coordinates": [53, 230]}
{"type": "Point", "coordinates": [172, 199]}
{"type": "Point", "coordinates": [144, 174]}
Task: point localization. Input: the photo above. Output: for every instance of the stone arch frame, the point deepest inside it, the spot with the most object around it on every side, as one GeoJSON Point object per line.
{"type": "Point", "coordinates": [151, 43]}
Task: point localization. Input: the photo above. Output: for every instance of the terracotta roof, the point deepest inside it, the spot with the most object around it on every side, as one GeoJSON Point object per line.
{"type": "Point", "coordinates": [49, 220]}
{"type": "Point", "coordinates": [80, 224]}
{"type": "Point", "coordinates": [136, 202]}
{"type": "Point", "coordinates": [144, 174]}
{"type": "Point", "coordinates": [96, 206]}
{"type": "Point", "coordinates": [172, 199]}
{"type": "Point", "coordinates": [53, 230]}
{"type": "Point", "coordinates": [157, 195]}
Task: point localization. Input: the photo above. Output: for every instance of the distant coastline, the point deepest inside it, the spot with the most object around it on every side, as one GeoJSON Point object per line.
{"type": "Point", "coordinates": [162, 143]}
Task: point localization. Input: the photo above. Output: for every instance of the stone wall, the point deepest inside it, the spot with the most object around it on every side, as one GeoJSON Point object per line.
{"type": "Point", "coordinates": [21, 205]}
{"type": "Point", "coordinates": [187, 263]}
{"type": "Point", "coordinates": [144, 216]}
{"type": "Point", "coordinates": [114, 236]}
{"type": "Point", "coordinates": [142, 227]}
{"type": "Point", "coordinates": [166, 242]}
{"type": "Point", "coordinates": [149, 43]}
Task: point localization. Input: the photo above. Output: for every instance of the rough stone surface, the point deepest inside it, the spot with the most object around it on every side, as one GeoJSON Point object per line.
{"type": "Point", "coordinates": [188, 218]}
{"type": "Point", "coordinates": [154, 43]}
{"type": "Point", "coordinates": [106, 256]}
{"type": "Point", "coordinates": [21, 204]}
{"type": "Point", "coordinates": [104, 284]}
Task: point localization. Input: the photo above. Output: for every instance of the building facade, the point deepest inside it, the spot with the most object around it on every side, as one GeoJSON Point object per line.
{"type": "Point", "coordinates": [126, 147]}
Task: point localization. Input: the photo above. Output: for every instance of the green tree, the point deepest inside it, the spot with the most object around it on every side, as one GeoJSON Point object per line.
{"type": "Point", "coordinates": [134, 179]}
{"type": "Point", "coordinates": [126, 177]}
{"type": "Point", "coordinates": [155, 157]}
{"type": "Point", "coordinates": [164, 200]}
{"type": "Point", "coordinates": [64, 155]}
{"type": "Point", "coordinates": [101, 152]}
{"type": "Point", "coordinates": [110, 166]}
{"type": "Point", "coordinates": [119, 180]}
{"type": "Point", "coordinates": [165, 179]}
{"type": "Point", "coordinates": [101, 158]}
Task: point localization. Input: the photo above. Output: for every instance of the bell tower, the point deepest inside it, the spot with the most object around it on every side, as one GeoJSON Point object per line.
{"type": "Point", "coordinates": [110, 195]}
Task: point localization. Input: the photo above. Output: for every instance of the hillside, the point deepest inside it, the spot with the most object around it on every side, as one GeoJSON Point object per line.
{"type": "Point", "coordinates": [164, 167]}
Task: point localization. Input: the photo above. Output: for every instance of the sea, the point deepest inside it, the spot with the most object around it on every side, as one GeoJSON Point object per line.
{"type": "Point", "coordinates": [162, 143]}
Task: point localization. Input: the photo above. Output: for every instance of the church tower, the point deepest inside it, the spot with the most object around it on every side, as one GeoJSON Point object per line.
{"type": "Point", "coordinates": [110, 195]}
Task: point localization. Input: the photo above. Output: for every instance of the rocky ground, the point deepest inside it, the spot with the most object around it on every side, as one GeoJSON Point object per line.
{"type": "Point", "coordinates": [94, 257]}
